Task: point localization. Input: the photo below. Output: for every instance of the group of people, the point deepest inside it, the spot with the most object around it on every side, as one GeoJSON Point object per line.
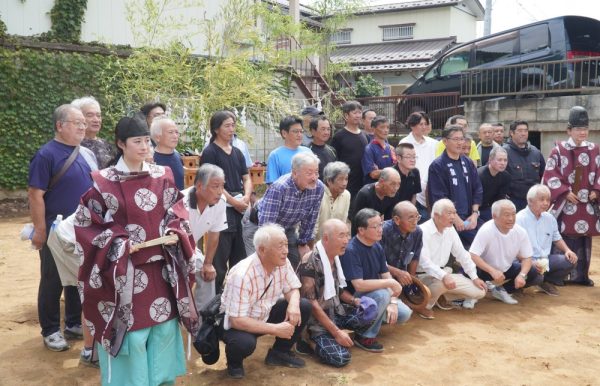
{"type": "Point", "coordinates": [348, 230]}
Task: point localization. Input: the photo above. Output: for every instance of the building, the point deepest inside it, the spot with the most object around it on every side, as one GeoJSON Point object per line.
{"type": "Point", "coordinates": [396, 42]}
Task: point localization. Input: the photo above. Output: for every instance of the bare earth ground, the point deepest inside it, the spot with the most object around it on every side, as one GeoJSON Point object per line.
{"type": "Point", "coordinates": [540, 341]}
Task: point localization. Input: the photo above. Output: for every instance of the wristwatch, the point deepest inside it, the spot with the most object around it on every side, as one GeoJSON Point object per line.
{"type": "Point", "coordinates": [523, 275]}
{"type": "Point", "coordinates": [393, 301]}
{"type": "Point", "coordinates": [477, 212]}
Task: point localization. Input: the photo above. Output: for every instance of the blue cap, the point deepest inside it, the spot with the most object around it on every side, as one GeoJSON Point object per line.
{"type": "Point", "coordinates": [367, 310]}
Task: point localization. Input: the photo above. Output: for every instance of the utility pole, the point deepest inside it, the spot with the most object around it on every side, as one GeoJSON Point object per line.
{"type": "Point", "coordinates": [487, 18]}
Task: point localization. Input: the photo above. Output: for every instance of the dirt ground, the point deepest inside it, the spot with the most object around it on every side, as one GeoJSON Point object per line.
{"type": "Point", "coordinates": [541, 341]}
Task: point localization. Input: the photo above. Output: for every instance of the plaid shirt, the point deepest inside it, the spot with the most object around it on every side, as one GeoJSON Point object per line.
{"type": "Point", "coordinates": [286, 205]}
{"type": "Point", "coordinates": [250, 292]}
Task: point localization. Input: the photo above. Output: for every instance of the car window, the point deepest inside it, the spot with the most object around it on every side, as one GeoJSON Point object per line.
{"type": "Point", "coordinates": [456, 62]}
{"type": "Point", "coordinates": [534, 38]}
{"type": "Point", "coordinates": [493, 49]}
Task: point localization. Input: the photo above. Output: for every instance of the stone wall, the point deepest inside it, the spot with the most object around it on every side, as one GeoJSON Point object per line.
{"type": "Point", "coordinates": [548, 116]}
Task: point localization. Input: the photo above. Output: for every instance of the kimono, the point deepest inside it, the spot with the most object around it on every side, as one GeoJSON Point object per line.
{"type": "Point", "coordinates": [123, 292]}
{"type": "Point", "coordinates": [577, 169]}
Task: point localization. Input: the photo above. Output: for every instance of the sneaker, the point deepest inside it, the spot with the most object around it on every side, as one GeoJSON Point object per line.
{"type": "Point", "coordinates": [501, 294]}
{"type": "Point", "coordinates": [303, 348]}
{"type": "Point", "coordinates": [548, 288]}
{"type": "Point", "coordinates": [368, 344]}
{"type": "Point", "coordinates": [235, 372]}
{"type": "Point", "coordinates": [287, 359]}
{"type": "Point", "coordinates": [74, 332]}
{"type": "Point", "coordinates": [490, 285]}
{"type": "Point", "coordinates": [458, 303]}
{"type": "Point", "coordinates": [56, 342]}
{"type": "Point", "coordinates": [86, 358]}
{"type": "Point", "coordinates": [469, 304]}
{"type": "Point", "coordinates": [425, 313]}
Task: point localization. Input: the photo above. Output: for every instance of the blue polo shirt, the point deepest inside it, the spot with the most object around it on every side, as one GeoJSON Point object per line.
{"type": "Point", "coordinates": [542, 232]}
{"type": "Point", "coordinates": [376, 155]}
{"type": "Point", "coordinates": [64, 197]}
{"type": "Point", "coordinates": [362, 262]}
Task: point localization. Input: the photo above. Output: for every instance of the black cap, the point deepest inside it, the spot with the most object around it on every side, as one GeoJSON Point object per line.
{"type": "Point", "coordinates": [578, 117]}
{"type": "Point", "coordinates": [131, 127]}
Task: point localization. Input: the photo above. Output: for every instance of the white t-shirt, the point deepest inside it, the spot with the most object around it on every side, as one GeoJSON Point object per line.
{"type": "Point", "coordinates": [425, 155]}
{"type": "Point", "coordinates": [500, 250]}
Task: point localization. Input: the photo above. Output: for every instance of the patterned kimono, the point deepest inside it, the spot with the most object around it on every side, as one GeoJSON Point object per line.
{"type": "Point", "coordinates": [577, 169]}
{"type": "Point", "coordinates": [120, 291]}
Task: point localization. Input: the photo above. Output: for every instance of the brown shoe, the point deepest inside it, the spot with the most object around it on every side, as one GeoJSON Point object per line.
{"type": "Point", "coordinates": [548, 289]}
{"type": "Point", "coordinates": [425, 313]}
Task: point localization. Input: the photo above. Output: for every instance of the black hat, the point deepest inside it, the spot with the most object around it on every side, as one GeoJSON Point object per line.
{"type": "Point", "coordinates": [131, 127]}
{"type": "Point", "coordinates": [578, 117]}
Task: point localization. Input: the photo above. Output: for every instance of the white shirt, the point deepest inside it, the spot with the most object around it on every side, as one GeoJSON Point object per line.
{"type": "Point", "coordinates": [500, 250]}
{"type": "Point", "coordinates": [437, 248]}
{"type": "Point", "coordinates": [213, 219]}
{"type": "Point", "coordinates": [425, 152]}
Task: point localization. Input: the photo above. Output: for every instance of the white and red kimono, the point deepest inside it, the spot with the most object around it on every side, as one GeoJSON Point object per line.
{"type": "Point", "coordinates": [576, 169]}
{"type": "Point", "coordinates": [120, 291]}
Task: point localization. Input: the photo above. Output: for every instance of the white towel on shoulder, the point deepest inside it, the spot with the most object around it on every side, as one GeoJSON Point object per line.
{"type": "Point", "coordinates": [329, 290]}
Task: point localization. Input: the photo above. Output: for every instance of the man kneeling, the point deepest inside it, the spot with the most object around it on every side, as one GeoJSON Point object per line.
{"type": "Point", "coordinates": [334, 308]}
{"type": "Point", "coordinates": [440, 239]}
{"type": "Point", "coordinates": [252, 305]}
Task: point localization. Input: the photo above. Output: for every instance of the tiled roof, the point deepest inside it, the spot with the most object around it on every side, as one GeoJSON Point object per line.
{"type": "Point", "coordinates": [407, 54]}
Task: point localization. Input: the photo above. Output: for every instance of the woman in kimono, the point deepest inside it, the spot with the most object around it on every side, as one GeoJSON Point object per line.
{"type": "Point", "coordinates": [573, 176]}
{"type": "Point", "coordinates": [132, 297]}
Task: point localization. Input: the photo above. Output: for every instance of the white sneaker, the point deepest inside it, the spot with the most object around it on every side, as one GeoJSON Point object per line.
{"type": "Point", "coordinates": [469, 304]}
{"type": "Point", "coordinates": [501, 294]}
{"type": "Point", "coordinates": [56, 342]}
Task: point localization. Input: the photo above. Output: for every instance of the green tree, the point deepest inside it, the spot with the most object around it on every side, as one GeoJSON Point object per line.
{"type": "Point", "coordinates": [367, 86]}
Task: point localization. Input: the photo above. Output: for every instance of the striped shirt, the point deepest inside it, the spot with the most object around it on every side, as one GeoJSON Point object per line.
{"type": "Point", "coordinates": [250, 292]}
{"type": "Point", "coordinates": [286, 205]}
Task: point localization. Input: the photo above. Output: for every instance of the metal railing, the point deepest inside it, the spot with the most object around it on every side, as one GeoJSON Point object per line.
{"type": "Point", "coordinates": [569, 76]}
{"type": "Point", "coordinates": [439, 107]}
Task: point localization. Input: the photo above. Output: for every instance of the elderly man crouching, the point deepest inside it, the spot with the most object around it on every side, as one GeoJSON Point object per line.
{"type": "Point", "coordinates": [333, 308]}
{"type": "Point", "coordinates": [542, 229]}
{"type": "Point", "coordinates": [252, 305]}
{"type": "Point", "coordinates": [440, 239]}
{"type": "Point", "coordinates": [502, 252]}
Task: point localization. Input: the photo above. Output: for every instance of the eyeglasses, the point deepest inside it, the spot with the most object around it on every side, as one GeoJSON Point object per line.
{"type": "Point", "coordinates": [378, 226]}
{"type": "Point", "coordinates": [77, 123]}
{"type": "Point", "coordinates": [296, 132]}
{"type": "Point", "coordinates": [456, 139]}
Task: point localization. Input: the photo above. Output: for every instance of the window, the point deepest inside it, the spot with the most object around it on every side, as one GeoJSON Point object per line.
{"type": "Point", "coordinates": [534, 38]}
{"type": "Point", "coordinates": [491, 50]}
{"type": "Point", "coordinates": [397, 32]}
{"type": "Point", "coordinates": [456, 62]}
{"type": "Point", "coordinates": [341, 37]}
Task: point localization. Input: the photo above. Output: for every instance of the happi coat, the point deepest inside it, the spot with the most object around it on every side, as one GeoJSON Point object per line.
{"type": "Point", "coordinates": [126, 292]}
{"type": "Point", "coordinates": [577, 169]}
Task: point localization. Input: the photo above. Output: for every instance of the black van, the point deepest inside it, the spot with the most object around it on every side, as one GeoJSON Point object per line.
{"type": "Point", "coordinates": [560, 38]}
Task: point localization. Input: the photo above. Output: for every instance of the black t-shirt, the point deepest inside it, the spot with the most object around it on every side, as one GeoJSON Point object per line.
{"type": "Point", "coordinates": [367, 198]}
{"type": "Point", "coordinates": [325, 153]}
{"type": "Point", "coordinates": [350, 148]}
{"type": "Point", "coordinates": [485, 154]}
{"type": "Point", "coordinates": [410, 185]}
{"type": "Point", "coordinates": [234, 167]}
{"type": "Point", "coordinates": [494, 188]}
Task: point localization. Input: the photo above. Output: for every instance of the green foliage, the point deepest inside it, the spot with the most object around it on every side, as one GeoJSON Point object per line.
{"type": "Point", "coordinates": [67, 18]}
{"type": "Point", "coordinates": [367, 86]}
{"type": "Point", "coordinates": [2, 28]}
{"type": "Point", "coordinates": [32, 85]}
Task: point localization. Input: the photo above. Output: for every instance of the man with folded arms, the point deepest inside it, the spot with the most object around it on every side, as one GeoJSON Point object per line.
{"type": "Point", "coordinates": [440, 239]}
{"type": "Point", "coordinates": [262, 297]}
{"type": "Point", "coordinates": [502, 252]}
{"type": "Point", "coordinates": [367, 274]}
{"type": "Point", "coordinates": [333, 308]}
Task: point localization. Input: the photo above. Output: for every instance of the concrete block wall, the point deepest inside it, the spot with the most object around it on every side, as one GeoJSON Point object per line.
{"type": "Point", "coordinates": [549, 115]}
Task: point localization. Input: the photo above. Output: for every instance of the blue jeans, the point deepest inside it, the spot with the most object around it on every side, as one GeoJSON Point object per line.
{"type": "Point", "coordinates": [382, 298]}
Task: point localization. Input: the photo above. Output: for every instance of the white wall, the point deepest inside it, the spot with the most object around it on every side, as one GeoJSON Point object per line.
{"type": "Point", "coordinates": [104, 21]}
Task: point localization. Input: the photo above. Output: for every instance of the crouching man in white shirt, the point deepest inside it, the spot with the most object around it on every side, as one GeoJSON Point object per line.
{"type": "Point", "coordinates": [439, 240]}
{"type": "Point", "coordinates": [502, 252]}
